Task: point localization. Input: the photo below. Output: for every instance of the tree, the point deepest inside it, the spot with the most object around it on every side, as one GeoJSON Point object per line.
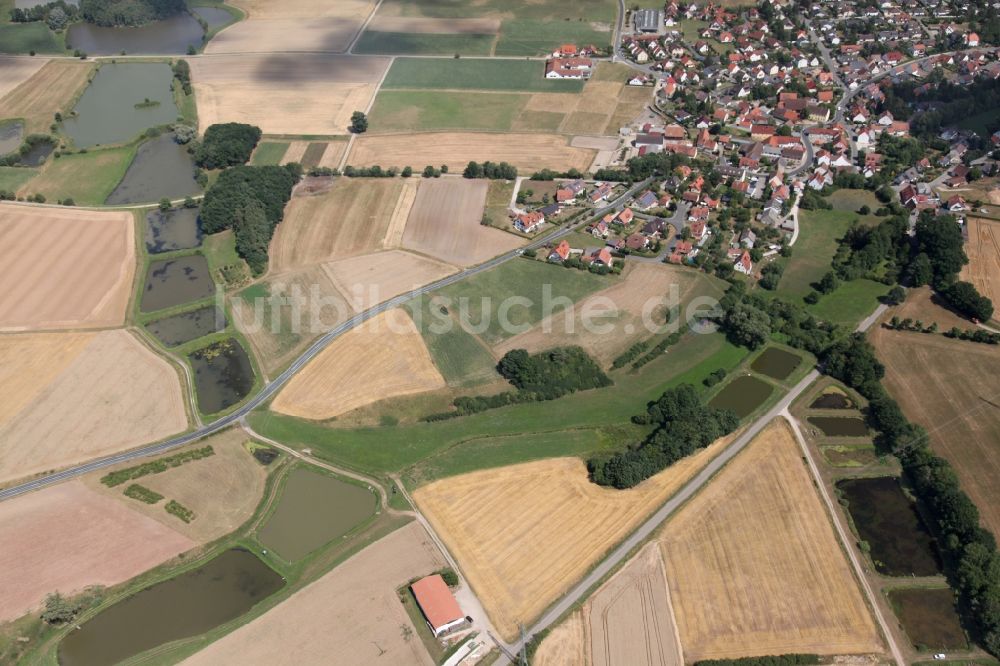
{"type": "Point", "coordinates": [58, 609]}
{"type": "Point", "coordinates": [940, 238]}
{"type": "Point", "coordinates": [473, 170]}
{"type": "Point", "coordinates": [406, 172]}
{"type": "Point", "coordinates": [920, 270]}
{"type": "Point", "coordinates": [964, 297]}
{"type": "Point", "coordinates": [828, 283]}
{"type": "Point", "coordinates": [784, 130]}
{"type": "Point", "coordinates": [895, 296]}
{"type": "Point", "coordinates": [428, 171]}
{"type": "Point", "coordinates": [359, 122]}
{"type": "Point", "coordinates": [253, 233]}
{"type": "Point", "coordinates": [164, 204]}
{"type": "Point", "coordinates": [864, 210]}
{"type": "Point", "coordinates": [746, 325]}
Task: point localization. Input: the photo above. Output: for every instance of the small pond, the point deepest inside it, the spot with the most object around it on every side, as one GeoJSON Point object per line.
{"type": "Point", "coordinates": [175, 281]}
{"type": "Point", "coordinates": [840, 426]}
{"type": "Point", "coordinates": [113, 108]}
{"type": "Point", "coordinates": [187, 605]}
{"type": "Point", "coordinates": [37, 154]}
{"type": "Point", "coordinates": [832, 400]}
{"type": "Point", "coordinates": [776, 363]}
{"type": "Point", "coordinates": [313, 510]}
{"type": "Point", "coordinates": [167, 37]}
{"type": "Point", "coordinates": [742, 395]}
{"type": "Point", "coordinates": [929, 618]}
{"type": "Point", "coordinates": [886, 518]}
{"type": "Point", "coordinates": [161, 168]}
{"type": "Point", "coordinates": [11, 135]}
{"type": "Point", "coordinates": [213, 16]}
{"type": "Point", "coordinates": [188, 326]}
{"type": "Point", "coordinates": [223, 375]}
{"type": "Point", "coordinates": [175, 229]}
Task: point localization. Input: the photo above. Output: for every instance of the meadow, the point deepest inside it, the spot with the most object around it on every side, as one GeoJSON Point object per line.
{"type": "Point", "coordinates": [474, 74]}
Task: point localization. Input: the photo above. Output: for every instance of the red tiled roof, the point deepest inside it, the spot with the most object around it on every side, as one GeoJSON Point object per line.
{"type": "Point", "coordinates": [436, 601]}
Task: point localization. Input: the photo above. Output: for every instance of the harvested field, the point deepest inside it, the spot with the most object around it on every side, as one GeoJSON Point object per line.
{"type": "Point", "coordinates": [333, 154]}
{"type": "Point", "coordinates": [528, 152]}
{"type": "Point", "coordinates": [348, 219]}
{"type": "Point", "coordinates": [373, 278]}
{"type": "Point", "coordinates": [353, 610]}
{"type": "Point", "coordinates": [222, 489]}
{"type": "Point", "coordinates": [47, 91]}
{"type": "Point", "coordinates": [630, 618]}
{"type": "Point", "coordinates": [950, 388]}
{"type": "Point", "coordinates": [983, 248]}
{"type": "Point", "coordinates": [755, 568]}
{"type": "Point", "coordinates": [923, 304]}
{"type": "Point", "coordinates": [285, 94]}
{"type": "Point", "coordinates": [401, 213]}
{"type": "Point", "coordinates": [382, 358]}
{"type": "Point", "coordinates": [16, 70]}
{"type": "Point", "coordinates": [68, 537]}
{"type": "Point", "coordinates": [406, 24]}
{"type": "Point", "coordinates": [293, 25]}
{"type": "Point", "coordinates": [565, 645]}
{"type": "Point", "coordinates": [296, 149]}
{"type": "Point", "coordinates": [445, 223]}
{"type": "Point", "coordinates": [91, 395]}
{"type": "Point", "coordinates": [487, 517]}
{"type": "Point", "coordinates": [63, 268]}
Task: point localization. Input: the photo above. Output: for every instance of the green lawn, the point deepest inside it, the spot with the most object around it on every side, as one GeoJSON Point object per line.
{"type": "Point", "coordinates": [460, 357]}
{"type": "Point", "coordinates": [27, 37]}
{"type": "Point", "coordinates": [849, 303]}
{"type": "Point", "coordinates": [582, 10]}
{"type": "Point", "coordinates": [396, 110]}
{"type": "Point", "coordinates": [813, 251]}
{"type": "Point", "coordinates": [531, 37]}
{"type": "Point", "coordinates": [474, 74]}
{"type": "Point", "coordinates": [404, 43]}
{"type": "Point", "coordinates": [12, 178]}
{"type": "Point", "coordinates": [849, 201]}
{"type": "Point", "coordinates": [269, 153]}
{"type": "Point", "coordinates": [88, 178]}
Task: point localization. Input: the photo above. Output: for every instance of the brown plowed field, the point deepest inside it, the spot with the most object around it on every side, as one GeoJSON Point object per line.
{"type": "Point", "coordinates": [16, 70]}
{"type": "Point", "coordinates": [383, 358]}
{"type": "Point", "coordinates": [373, 278]}
{"type": "Point", "coordinates": [524, 534]}
{"type": "Point", "coordinates": [68, 537]}
{"type": "Point", "coordinates": [983, 248]}
{"type": "Point", "coordinates": [564, 645]}
{"type": "Point", "coordinates": [950, 387]}
{"type": "Point", "coordinates": [100, 396]}
{"type": "Point", "coordinates": [442, 26]}
{"type": "Point", "coordinates": [445, 223]}
{"type": "Point", "coordinates": [755, 568]}
{"type": "Point", "coordinates": [64, 268]}
{"type": "Point", "coordinates": [293, 25]}
{"type": "Point", "coordinates": [48, 91]}
{"type": "Point", "coordinates": [349, 219]}
{"type": "Point", "coordinates": [527, 152]}
{"type": "Point", "coordinates": [353, 612]}
{"type": "Point", "coordinates": [285, 94]}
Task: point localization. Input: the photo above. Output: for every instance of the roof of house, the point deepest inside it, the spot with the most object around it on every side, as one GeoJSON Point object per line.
{"type": "Point", "coordinates": [436, 601]}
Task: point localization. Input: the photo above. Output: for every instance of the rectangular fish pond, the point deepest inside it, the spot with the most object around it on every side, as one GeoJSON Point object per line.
{"type": "Point", "coordinates": [776, 363]}
{"type": "Point", "coordinates": [929, 618]}
{"type": "Point", "coordinates": [171, 36]}
{"type": "Point", "coordinates": [175, 229]}
{"type": "Point", "coordinates": [742, 395]}
{"type": "Point", "coordinates": [840, 426]}
{"type": "Point", "coordinates": [173, 282]}
{"type": "Point", "coordinates": [223, 375]}
{"type": "Point", "coordinates": [161, 168]}
{"type": "Point", "coordinates": [832, 399]}
{"type": "Point", "coordinates": [188, 326]}
{"type": "Point", "coordinates": [313, 510]}
{"type": "Point", "coordinates": [186, 605]}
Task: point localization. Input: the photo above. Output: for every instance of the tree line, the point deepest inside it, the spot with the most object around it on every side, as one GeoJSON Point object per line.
{"type": "Point", "coordinates": [491, 170]}
{"type": "Point", "coordinates": [129, 12]}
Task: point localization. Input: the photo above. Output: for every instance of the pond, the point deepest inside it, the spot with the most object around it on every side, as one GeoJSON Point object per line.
{"type": "Point", "coordinates": [886, 518]}
{"type": "Point", "coordinates": [37, 153]}
{"type": "Point", "coordinates": [113, 108]}
{"type": "Point", "coordinates": [929, 618]}
{"type": "Point", "coordinates": [742, 395]}
{"type": "Point", "coordinates": [223, 375]}
{"type": "Point", "coordinates": [175, 281]}
{"type": "Point", "coordinates": [188, 326]}
{"type": "Point", "coordinates": [167, 37]}
{"type": "Point", "coordinates": [161, 168]}
{"type": "Point", "coordinates": [776, 363]}
{"type": "Point", "coordinates": [313, 510]}
{"type": "Point", "coordinates": [187, 605]}
{"type": "Point", "coordinates": [175, 229]}
{"type": "Point", "coordinates": [840, 426]}
{"type": "Point", "coordinates": [213, 16]}
{"type": "Point", "coordinates": [850, 456]}
{"type": "Point", "coordinates": [832, 400]}
{"type": "Point", "coordinates": [11, 135]}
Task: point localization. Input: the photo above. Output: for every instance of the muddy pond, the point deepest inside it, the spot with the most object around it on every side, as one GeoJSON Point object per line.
{"type": "Point", "coordinates": [223, 375]}
{"type": "Point", "coordinates": [832, 400]}
{"type": "Point", "coordinates": [840, 426]}
{"type": "Point", "coordinates": [742, 395]}
{"type": "Point", "coordinates": [776, 363]}
{"type": "Point", "coordinates": [886, 518]}
{"type": "Point", "coordinates": [187, 605]}
{"type": "Point", "coordinates": [162, 168]}
{"type": "Point", "coordinates": [175, 229]}
{"type": "Point", "coordinates": [929, 618]}
{"type": "Point", "coordinates": [313, 510]}
{"type": "Point", "coordinates": [188, 326]}
{"type": "Point", "coordinates": [11, 135]}
{"type": "Point", "coordinates": [167, 37]}
{"type": "Point", "coordinates": [175, 281]}
{"type": "Point", "coordinates": [114, 107]}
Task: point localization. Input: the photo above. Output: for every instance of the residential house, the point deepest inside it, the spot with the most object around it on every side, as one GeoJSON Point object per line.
{"type": "Point", "coordinates": [529, 222]}
{"type": "Point", "coordinates": [560, 252]}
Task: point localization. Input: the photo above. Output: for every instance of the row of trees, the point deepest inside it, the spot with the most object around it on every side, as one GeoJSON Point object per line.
{"type": "Point", "coordinates": [491, 170]}
{"type": "Point", "coordinates": [129, 12]}
{"type": "Point", "coordinates": [770, 660]}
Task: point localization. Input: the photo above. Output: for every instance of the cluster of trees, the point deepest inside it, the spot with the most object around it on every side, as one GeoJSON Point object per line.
{"type": "Point", "coordinates": [491, 170]}
{"type": "Point", "coordinates": [970, 552]}
{"type": "Point", "coordinates": [55, 14]}
{"type": "Point", "coordinates": [873, 252]}
{"type": "Point", "coordinates": [182, 72]}
{"type": "Point", "coordinates": [128, 12]}
{"type": "Point", "coordinates": [250, 200]}
{"type": "Point", "coordinates": [769, 660]}
{"type": "Point", "coordinates": [770, 275]}
{"type": "Point", "coordinates": [549, 174]}
{"type": "Point", "coordinates": [226, 144]}
{"type": "Point", "coordinates": [907, 324]}
{"type": "Point", "coordinates": [964, 297]}
{"type": "Point", "coordinates": [942, 104]}
{"type": "Point", "coordinates": [749, 320]}
{"type": "Point", "coordinates": [683, 425]}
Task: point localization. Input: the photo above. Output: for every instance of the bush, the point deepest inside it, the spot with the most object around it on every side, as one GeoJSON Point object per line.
{"type": "Point", "coordinates": [59, 609]}
{"type": "Point", "coordinates": [175, 508]}
{"type": "Point", "coordinates": [714, 378]}
{"type": "Point", "coordinates": [143, 494]}
{"type": "Point", "coordinates": [119, 477]}
{"type": "Point", "coordinates": [227, 144]}
{"type": "Point", "coordinates": [182, 72]}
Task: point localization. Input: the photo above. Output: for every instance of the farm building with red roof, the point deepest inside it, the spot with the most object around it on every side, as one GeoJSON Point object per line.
{"type": "Point", "coordinates": [437, 604]}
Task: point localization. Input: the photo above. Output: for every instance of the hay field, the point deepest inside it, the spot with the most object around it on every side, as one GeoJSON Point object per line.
{"type": "Point", "coordinates": [644, 288]}
{"type": "Point", "coordinates": [445, 223]}
{"type": "Point", "coordinates": [223, 489]}
{"type": "Point", "coordinates": [47, 91]}
{"type": "Point", "coordinates": [352, 610]}
{"type": "Point", "coordinates": [16, 70]}
{"type": "Point", "coordinates": [102, 393]}
{"type": "Point", "coordinates": [285, 94]}
{"type": "Point", "coordinates": [527, 152]}
{"type": "Point", "coordinates": [487, 517]}
{"type": "Point", "coordinates": [565, 645]}
{"type": "Point", "coordinates": [755, 568]}
{"type": "Point", "coordinates": [950, 388]}
{"type": "Point", "coordinates": [370, 279]}
{"type": "Point", "coordinates": [293, 25]}
{"type": "Point", "coordinates": [923, 304]}
{"type": "Point", "coordinates": [63, 268]}
{"type": "Point", "coordinates": [296, 149]}
{"type": "Point", "coordinates": [384, 357]}
{"type": "Point", "coordinates": [983, 248]}
{"type": "Point", "coordinates": [67, 537]}
{"type": "Point", "coordinates": [348, 219]}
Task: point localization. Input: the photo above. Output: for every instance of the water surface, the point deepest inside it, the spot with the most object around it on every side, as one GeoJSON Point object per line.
{"type": "Point", "coordinates": [223, 375]}
{"type": "Point", "coordinates": [161, 168]}
{"type": "Point", "coordinates": [188, 326]}
{"type": "Point", "coordinates": [742, 395]}
{"type": "Point", "coordinates": [11, 135]}
{"type": "Point", "coordinates": [175, 229]}
{"type": "Point", "coordinates": [170, 36]}
{"type": "Point", "coordinates": [776, 363]}
{"type": "Point", "coordinates": [840, 426]}
{"type": "Point", "coordinates": [175, 281]}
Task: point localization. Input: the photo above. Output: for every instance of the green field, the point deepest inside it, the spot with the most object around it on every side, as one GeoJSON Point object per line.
{"type": "Point", "coordinates": [850, 201]}
{"type": "Point", "coordinates": [474, 74]}
{"type": "Point", "coordinates": [27, 37]}
{"type": "Point", "coordinates": [88, 178]}
{"type": "Point", "coordinates": [584, 10]}
{"type": "Point", "coordinates": [12, 178]}
{"type": "Point", "coordinates": [269, 153]}
{"type": "Point", "coordinates": [397, 110]}
{"type": "Point", "coordinates": [405, 43]}
{"type": "Point", "coordinates": [529, 37]}
{"type": "Point", "coordinates": [849, 303]}
{"type": "Point", "coordinates": [460, 357]}
{"type": "Point", "coordinates": [812, 253]}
